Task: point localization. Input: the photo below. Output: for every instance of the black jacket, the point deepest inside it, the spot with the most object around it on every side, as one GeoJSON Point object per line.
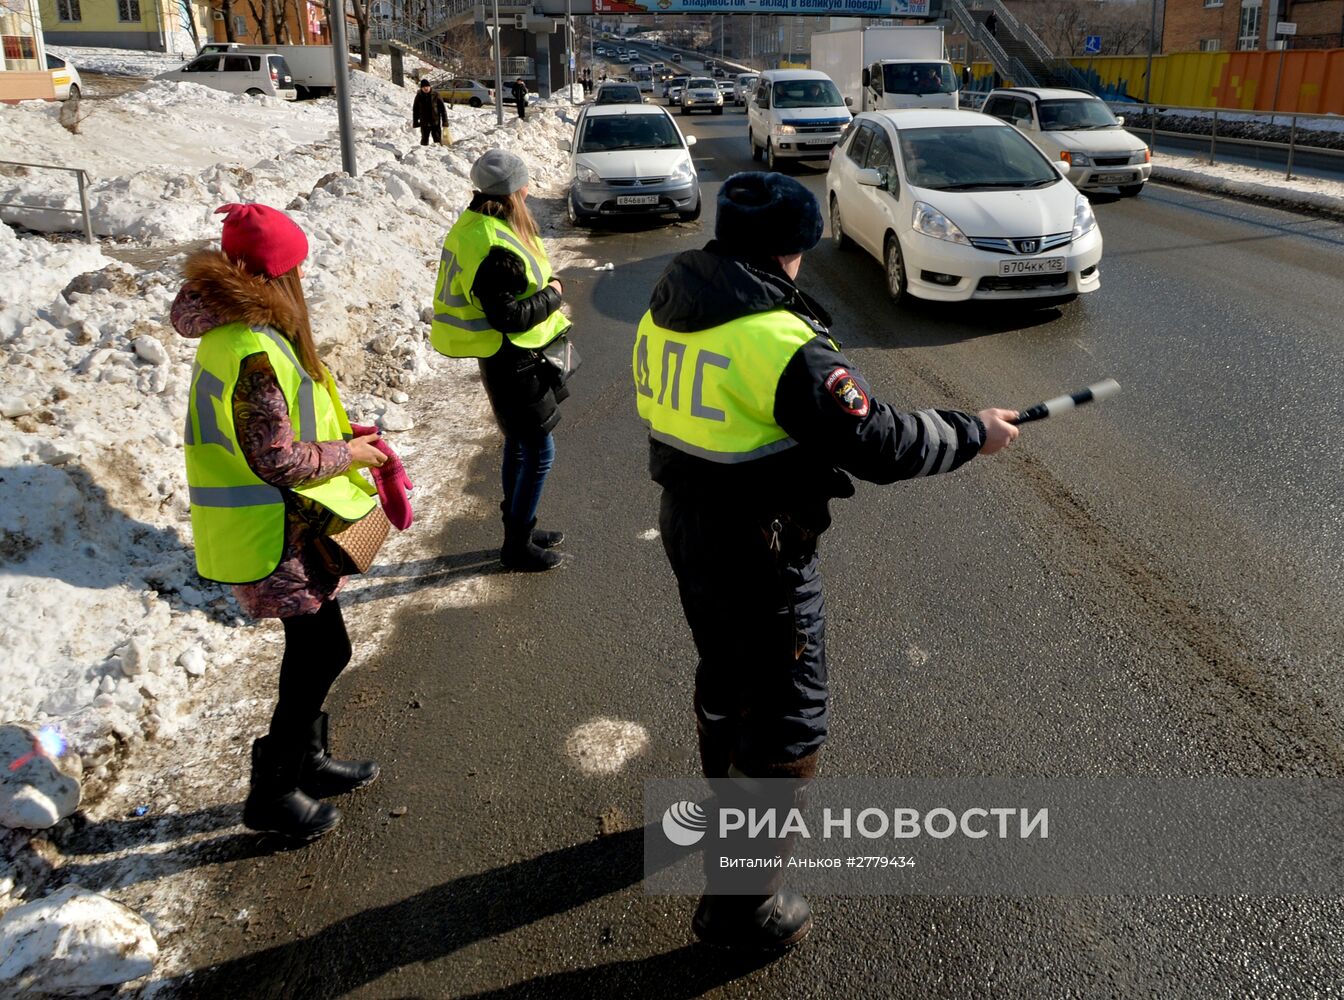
{"type": "Point", "coordinates": [821, 401]}
{"type": "Point", "coordinates": [524, 391]}
{"type": "Point", "coordinates": [519, 93]}
{"type": "Point", "coordinates": [428, 109]}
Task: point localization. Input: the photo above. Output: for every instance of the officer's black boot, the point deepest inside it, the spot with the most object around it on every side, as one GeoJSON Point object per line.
{"type": "Point", "coordinates": [521, 553]}
{"type": "Point", "coordinates": [275, 804]}
{"type": "Point", "coordinates": [540, 537]}
{"type": "Point", "coordinates": [323, 775]}
{"type": "Point", "coordinates": [756, 923]}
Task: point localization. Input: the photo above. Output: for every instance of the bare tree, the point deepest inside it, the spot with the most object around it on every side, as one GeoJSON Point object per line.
{"type": "Point", "coordinates": [361, 12]}
{"type": "Point", "coordinates": [188, 16]}
{"type": "Point", "coordinates": [262, 16]}
{"type": "Point", "coordinates": [226, 8]}
{"type": "Point", "coordinates": [1065, 24]}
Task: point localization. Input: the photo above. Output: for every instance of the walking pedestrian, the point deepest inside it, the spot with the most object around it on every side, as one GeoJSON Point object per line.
{"type": "Point", "coordinates": [496, 300]}
{"type": "Point", "coordinates": [520, 96]}
{"type": "Point", "coordinates": [429, 115]}
{"type": "Point", "coordinates": [271, 463]}
{"type": "Point", "coordinates": [992, 23]}
{"type": "Point", "coordinates": [749, 461]}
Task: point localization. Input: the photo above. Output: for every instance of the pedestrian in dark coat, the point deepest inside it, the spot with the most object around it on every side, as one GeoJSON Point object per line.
{"type": "Point", "coordinates": [520, 96]}
{"type": "Point", "coordinates": [992, 23]}
{"type": "Point", "coordinates": [429, 115]}
{"type": "Point", "coordinates": [784, 419]}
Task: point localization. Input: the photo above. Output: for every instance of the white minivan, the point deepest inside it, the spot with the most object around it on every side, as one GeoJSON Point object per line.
{"type": "Point", "coordinates": [253, 73]}
{"type": "Point", "coordinates": [796, 114]}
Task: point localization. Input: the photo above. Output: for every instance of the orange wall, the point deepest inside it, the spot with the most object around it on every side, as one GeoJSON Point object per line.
{"type": "Point", "coordinates": [1313, 81]}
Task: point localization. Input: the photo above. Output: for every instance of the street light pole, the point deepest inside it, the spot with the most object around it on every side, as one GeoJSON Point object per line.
{"type": "Point", "coordinates": [499, 70]}
{"type": "Point", "coordinates": [340, 56]}
{"type": "Point", "coordinates": [1152, 40]}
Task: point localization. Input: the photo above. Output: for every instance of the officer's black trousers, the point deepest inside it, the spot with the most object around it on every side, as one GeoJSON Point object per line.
{"type": "Point", "coordinates": [759, 622]}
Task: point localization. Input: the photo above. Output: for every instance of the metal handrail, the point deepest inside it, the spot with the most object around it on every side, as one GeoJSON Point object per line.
{"type": "Point", "coordinates": [1016, 71]}
{"type": "Point", "coordinates": [83, 179]}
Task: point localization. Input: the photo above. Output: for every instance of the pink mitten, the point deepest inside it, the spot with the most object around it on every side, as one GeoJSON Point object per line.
{"type": "Point", "coordinates": [391, 482]}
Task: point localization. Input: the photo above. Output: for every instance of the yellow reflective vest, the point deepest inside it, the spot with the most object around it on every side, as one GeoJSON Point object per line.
{"type": "Point", "coordinates": [237, 519]}
{"type": "Point", "coordinates": [460, 329]}
{"type": "Point", "coordinates": [711, 393]}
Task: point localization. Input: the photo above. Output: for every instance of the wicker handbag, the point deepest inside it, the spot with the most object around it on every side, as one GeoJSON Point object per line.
{"type": "Point", "coordinates": [350, 547]}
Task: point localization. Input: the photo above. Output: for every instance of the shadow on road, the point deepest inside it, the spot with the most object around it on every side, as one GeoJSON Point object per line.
{"type": "Point", "coordinates": [363, 948]}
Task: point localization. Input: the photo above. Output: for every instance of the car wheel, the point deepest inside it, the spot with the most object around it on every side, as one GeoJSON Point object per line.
{"type": "Point", "coordinates": [771, 160]}
{"type": "Point", "coordinates": [475, 102]}
{"type": "Point", "coordinates": [576, 218]}
{"type": "Point", "coordinates": [1130, 190]}
{"type": "Point", "coordinates": [254, 92]}
{"type": "Point", "coordinates": [74, 92]}
{"type": "Point", "coordinates": [755, 149]}
{"type": "Point", "coordinates": [692, 215]}
{"type": "Point", "coordinates": [838, 237]}
{"type": "Point", "coordinates": [895, 268]}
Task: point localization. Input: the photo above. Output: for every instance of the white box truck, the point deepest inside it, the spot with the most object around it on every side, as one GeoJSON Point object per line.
{"type": "Point", "coordinates": [882, 68]}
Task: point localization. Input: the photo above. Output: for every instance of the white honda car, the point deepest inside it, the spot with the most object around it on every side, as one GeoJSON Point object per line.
{"type": "Point", "coordinates": [957, 205]}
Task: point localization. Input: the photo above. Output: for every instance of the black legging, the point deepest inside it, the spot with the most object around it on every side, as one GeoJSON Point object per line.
{"type": "Point", "coordinates": [317, 648]}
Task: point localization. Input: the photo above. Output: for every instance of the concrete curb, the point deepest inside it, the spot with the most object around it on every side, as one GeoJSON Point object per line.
{"type": "Point", "coordinates": [1306, 202]}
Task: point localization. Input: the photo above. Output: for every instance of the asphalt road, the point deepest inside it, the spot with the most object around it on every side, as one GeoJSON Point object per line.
{"type": "Point", "coordinates": [1145, 588]}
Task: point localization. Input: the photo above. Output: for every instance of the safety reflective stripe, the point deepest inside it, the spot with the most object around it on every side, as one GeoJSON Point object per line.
{"type": "Point", "coordinates": [723, 457]}
{"type": "Point", "coordinates": [454, 269]}
{"type": "Point", "coordinates": [942, 441]}
{"type": "Point", "coordinates": [470, 325]}
{"type": "Point", "coordinates": [509, 238]}
{"type": "Point", "coordinates": [307, 408]}
{"type": "Point", "coordinates": [257, 495]}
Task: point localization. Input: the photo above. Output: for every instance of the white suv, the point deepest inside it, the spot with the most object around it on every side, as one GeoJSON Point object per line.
{"type": "Point", "coordinates": [1077, 128]}
{"type": "Point", "coordinates": [701, 94]}
{"type": "Point", "coordinates": [253, 73]}
{"type": "Point", "coordinates": [796, 114]}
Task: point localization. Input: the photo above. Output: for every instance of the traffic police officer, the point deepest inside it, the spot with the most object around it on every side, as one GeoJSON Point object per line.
{"type": "Point", "coordinates": [756, 421]}
{"type": "Point", "coordinates": [495, 299]}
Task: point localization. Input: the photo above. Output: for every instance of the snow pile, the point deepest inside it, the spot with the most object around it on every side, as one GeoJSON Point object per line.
{"type": "Point", "coordinates": [72, 943]}
{"type": "Point", "coordinates": [34, 793]}
{"type": "Point", "coordinates": [119, 62]}
{"type": "Point", "coordinates": [1249, 182]}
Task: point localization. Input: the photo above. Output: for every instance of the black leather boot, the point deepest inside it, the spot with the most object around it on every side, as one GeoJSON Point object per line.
{"type": "Point", "coordinates": [275, 804]}
{"type": "Point", "coordinates": [323, 775]}
{"type": "Point", "coordinates": [521, 553]}
{"type": "Point", "coordinates": [772, 923]}
{"type": "Point", "coordinates": [540, 538]}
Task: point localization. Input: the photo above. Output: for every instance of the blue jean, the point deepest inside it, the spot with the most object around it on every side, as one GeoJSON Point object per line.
{"type": "Point", "coordinates": [527, 460]}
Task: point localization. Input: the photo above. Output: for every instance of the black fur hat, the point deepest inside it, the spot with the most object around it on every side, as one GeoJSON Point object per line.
{"type": "Point", "coordinates": [767, 214]}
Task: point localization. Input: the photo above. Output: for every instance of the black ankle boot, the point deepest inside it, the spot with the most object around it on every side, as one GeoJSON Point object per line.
{"type": "Point", "coordinates": [275, 804]}
{"type": "Point", "coordinates": [749, 922]}
{"type": "Point", "coordinates": [521, 553]}
{"type": "Point", "coordinates": [323, 776]}
{"type": "Point", "coordinates": [541, 539]}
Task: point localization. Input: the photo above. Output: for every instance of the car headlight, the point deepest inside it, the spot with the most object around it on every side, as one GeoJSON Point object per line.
{"type": "Point", "coordinates": [1144, 155]}
{"type": "Point", "coordinates": [1083, 219]}
{"type": "Point", "coordinates": [684, 170]}
{"type": "Point", "coordinates": [785, 130]}
{"type": "Point", "coordinates": [931, 222]}
{"type": "Point", "coordinates": [587, 175]}
{"type": "Point", "coordinates": [1075, 159]}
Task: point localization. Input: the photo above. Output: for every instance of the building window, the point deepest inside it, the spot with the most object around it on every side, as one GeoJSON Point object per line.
{"type": "Point", "coordinates": [67, 10]}
{"type": "Point", "coordinates": [1248, 30]}
{"type": "Point", "coordinates": [1210, 44]}
{"type": "Point", "coordinates": [128, 10]}
{"type": "Point", "coordinates": [1213, 3]}
{"type": "Point", "coordinates": [239, 26]}
{"type": "Point", "coordinates": [19, 47]}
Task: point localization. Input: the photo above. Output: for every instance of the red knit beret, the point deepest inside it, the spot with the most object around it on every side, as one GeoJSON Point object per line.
{"type": "Point", "coordinates": [262, 239]}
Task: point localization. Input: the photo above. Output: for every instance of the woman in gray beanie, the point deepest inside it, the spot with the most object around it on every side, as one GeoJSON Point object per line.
{"type": "Point", "coordinates": [496, 300]}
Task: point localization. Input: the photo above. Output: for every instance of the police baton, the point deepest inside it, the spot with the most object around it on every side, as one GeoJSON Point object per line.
{"type": "Point", "coordinates": [1062, 404]}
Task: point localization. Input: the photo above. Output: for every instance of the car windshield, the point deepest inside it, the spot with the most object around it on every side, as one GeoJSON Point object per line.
{"type": "Point", "coordinates": [619, 95]}
{"type": "Point", "coordinates": [607, 132]}
{"type": "Point", "coordinates": [973, 158]}
{"type": "Point", "coordinates": [806, 94]}
{"type": "Point", "coordinates": [918, 78]}
{"type": "Point", "coordinates": [1075, 115]}
{"type": "Point", "coordinates": [701, 81]}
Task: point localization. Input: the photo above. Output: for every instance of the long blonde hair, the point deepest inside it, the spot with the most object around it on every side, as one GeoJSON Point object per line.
{"type": "Point", "coordinates": [513, 211]}
{"type": "Point", "coordinates": [290, 287]}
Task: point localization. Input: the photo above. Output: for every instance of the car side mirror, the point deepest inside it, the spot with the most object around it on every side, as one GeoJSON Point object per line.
{"type": "Point", "coordinates": [867, 76]}
{"type": "Point", "coordinates": [849, 102]}
{"type": "Point", "coordinates": [869, 177]}
{"type": "Point", "coordinates": [1061, 168]}
{"type": "Point", "coordinates": [690, 141]}
{"type": "Point", "coordinates": [566, 146]}
{"type": "Point", "coordinates": [1119, 119]}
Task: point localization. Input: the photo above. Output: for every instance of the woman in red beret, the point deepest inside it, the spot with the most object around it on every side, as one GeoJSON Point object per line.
{"type": "Point", "coordinates": [271, 462]}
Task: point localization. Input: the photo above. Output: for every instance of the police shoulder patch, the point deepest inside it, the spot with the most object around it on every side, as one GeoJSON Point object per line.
{"type": "Point", "coordinates": [845, 390]}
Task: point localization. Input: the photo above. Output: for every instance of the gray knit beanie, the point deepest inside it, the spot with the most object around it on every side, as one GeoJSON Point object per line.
{"type": "Point", "coordinates": [499, 173]}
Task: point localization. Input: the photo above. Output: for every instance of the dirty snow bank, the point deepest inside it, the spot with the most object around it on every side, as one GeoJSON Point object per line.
{"type": "Point", "coordinates": [1249, 182]}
